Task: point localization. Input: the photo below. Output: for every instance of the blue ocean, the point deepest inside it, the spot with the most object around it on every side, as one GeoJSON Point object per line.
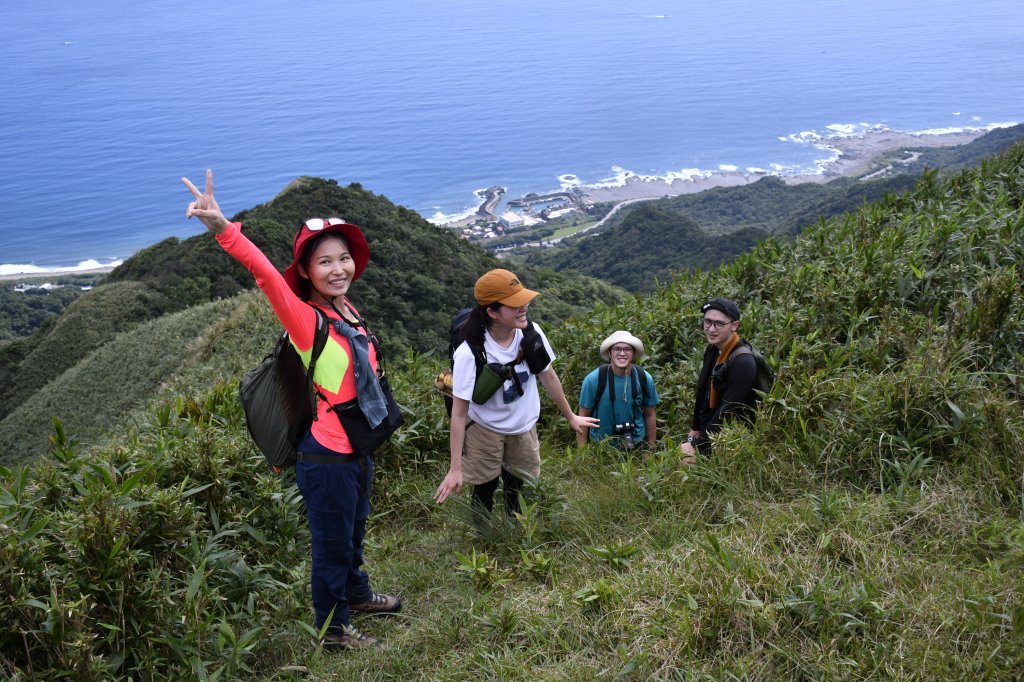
{"type": "Point", "coordinates": [105, 105]}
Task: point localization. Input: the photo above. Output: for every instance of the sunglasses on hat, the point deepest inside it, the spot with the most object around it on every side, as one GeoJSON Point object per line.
{"type": "Point", "coordinates": [315, 224]}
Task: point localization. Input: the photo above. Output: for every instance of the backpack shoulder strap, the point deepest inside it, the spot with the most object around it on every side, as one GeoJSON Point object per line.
{"type": "Point", "coordinates": [744, 348]}
{"type": "Point", "coordinates": [640, 377]}
{"type": "Point", "coordinates": [323, 330]}
{"type": "Point", "coordinates": [602, 383]}
{"type": "Point", "coordinates": [479, 355]}
{"type": "Point", "coordinates": [740, 350]}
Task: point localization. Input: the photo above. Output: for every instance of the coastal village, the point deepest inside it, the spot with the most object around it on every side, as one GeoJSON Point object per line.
{"type": "Point", "coordinates": [525, 213]}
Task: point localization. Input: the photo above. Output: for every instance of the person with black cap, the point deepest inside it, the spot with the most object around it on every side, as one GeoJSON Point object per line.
{"type": "Point", "coordinates": [328, 255]}
{"type": "Point", "coordinates": [725, 386]}
{"type": "Point", "coordinates": [498, 396]}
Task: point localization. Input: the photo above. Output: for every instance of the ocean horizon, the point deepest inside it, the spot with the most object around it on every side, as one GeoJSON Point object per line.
{"type": "Point", "coordinates": [106, 107]}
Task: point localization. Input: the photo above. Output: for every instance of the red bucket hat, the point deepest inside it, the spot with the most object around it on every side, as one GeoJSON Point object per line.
{"type": "Point", "coordinates": [314, 227]}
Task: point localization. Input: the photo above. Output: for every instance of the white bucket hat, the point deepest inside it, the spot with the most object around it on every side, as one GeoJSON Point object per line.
{"type": "Point", "coordinates": [622, 337]}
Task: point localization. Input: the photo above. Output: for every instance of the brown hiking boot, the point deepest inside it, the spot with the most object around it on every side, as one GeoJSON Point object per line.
{"type": "Point", "coordinates": [378, 603]}
{"type": "Point", "coordinates": [347, 638]}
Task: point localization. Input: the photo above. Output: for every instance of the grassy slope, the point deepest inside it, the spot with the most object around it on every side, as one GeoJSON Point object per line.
{"type": "Point", "coordinates": [869, 526]}
{"type": "Point", "coordinates": [112, 381]}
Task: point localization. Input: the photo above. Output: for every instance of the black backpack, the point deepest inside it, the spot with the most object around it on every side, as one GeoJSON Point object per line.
{"type": "Point", "coordinates": [279, 397]}
{"type": "Point", "coordinates": [765, 375]}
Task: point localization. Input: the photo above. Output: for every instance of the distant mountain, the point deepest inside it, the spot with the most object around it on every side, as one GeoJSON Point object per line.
{"type": "Point", "coordinates": [651, 241]}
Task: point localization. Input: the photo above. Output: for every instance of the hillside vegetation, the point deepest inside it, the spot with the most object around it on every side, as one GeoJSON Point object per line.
{"type": "Point", "coordinates": [870, 525]}
{"type": "Point", "coordinates": [649, 243]}
{"type": "Point", "coordinates": [419, 275]}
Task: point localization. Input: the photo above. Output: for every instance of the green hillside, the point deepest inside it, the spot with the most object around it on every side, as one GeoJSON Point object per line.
{"type": "Point", "coordinates": [656, 239]}
{"type": "Point", "coordinates": [419, 275]}
{"type": "Point", "coordinates": [870, 525]}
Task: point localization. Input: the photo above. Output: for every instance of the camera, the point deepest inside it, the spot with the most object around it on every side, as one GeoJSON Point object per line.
{"type": "Point", "coordinates": [627, 431]}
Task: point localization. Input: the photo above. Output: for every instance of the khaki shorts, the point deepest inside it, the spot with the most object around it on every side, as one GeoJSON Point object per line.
{"type": "Point", "coordinates": [486, 453]}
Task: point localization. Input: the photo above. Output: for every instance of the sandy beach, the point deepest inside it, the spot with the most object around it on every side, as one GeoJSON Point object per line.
{"type": "Point", "coordinates": [854, 156]}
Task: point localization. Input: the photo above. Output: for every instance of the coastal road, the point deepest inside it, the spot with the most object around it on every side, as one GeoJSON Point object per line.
{"type": "Point", "coordinates": [602, 221]}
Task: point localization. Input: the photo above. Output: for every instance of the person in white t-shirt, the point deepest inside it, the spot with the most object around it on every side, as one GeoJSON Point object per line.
{"type": "Point", "coordinates": [502, 443]}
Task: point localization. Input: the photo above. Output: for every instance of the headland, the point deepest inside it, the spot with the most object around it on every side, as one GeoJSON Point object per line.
{"type": "Point", "coordinates": [845, 156]}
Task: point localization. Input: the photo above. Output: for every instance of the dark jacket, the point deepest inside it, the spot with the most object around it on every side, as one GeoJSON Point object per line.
{"type": "Point", "coordinates": [734, 382]}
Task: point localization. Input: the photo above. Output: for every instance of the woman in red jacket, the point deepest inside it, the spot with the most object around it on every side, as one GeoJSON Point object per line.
{"type": "Point", "coordinates": [328, 255]}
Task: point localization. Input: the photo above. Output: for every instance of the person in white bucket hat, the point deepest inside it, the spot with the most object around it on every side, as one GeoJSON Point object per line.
{"type": "Point", "coordinates": [621, 395]}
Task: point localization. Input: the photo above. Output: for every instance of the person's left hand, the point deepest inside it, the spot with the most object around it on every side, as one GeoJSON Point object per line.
{"type": "Point", "coordinates": [579, 423]}
{"type": "Point", "coordinates": [205, 206]}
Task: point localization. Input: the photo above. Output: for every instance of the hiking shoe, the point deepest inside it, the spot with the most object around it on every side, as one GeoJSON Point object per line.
{"type": "Point", "coordinates": [378, 603]}
{"type": "Point", "coordinates": [347, 638]}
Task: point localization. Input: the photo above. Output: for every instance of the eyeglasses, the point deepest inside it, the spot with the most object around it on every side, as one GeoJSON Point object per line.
{"type": "Point", "coordinates": [717, 324]}
{"type": "Point", "coordinates": [622, 350]}
{"type": "Point", "coordinates": [316, 224]}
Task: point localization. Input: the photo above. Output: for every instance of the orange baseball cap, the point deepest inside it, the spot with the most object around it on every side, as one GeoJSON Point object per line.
{"type": "Point", "coordinates": [502, 286]}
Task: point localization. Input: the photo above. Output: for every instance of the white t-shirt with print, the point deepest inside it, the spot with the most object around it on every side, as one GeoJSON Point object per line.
{"type": "Point", "coordinates": [506, 411]}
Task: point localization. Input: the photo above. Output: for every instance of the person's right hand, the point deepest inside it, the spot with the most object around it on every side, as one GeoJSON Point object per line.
{"type": "Point", "coordinates": [205, 206]}
{"type": "Point", "coordinates": [452, 483]}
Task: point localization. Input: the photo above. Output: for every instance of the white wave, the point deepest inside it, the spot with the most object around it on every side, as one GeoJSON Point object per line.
{"type": "Point", "coordinates": [568, 180]}
{"type": "Point", "coordinates": [440, 218]}
{"type": "Point", "coordinates": [842, 128]}
{"type": "Point", "coordinates": [7, 269]}
{"type": "Point", "coordinates": [686, 174]}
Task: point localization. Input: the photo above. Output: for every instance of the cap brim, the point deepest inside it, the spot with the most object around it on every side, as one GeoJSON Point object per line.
{"type": "Point", "coordinates": [520, 298]}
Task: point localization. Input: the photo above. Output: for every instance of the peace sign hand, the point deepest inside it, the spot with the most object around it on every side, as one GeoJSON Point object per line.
{"type": "Point", "coordinates": [205, 206]}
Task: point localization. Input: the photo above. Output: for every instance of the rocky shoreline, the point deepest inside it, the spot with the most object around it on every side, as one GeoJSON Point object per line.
{"type": "Point", "coordinates": [854, 156]}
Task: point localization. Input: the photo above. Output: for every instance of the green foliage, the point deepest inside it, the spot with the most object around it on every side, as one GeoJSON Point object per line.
{"type": "Point", "coordinates": [174, 556]}
{"type": "Point", "coordinates": [962, 156]}
{"type": "Point", "coordinates": [88, 323]}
